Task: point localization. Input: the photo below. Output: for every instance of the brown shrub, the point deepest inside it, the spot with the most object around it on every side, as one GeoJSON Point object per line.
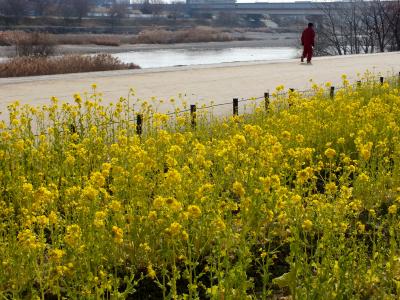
{"type": "Point", "coordinates": [30, 44]}
{"type": "Point", "coordinates": [107, 41]}
{"type": "Point", "coordinates": [5, 38]}
{"type": "Point", "coordinates": [157, 36]}
{"type": "Point", "coordinates": [203, 34]}
{"type": "Point", "coordinates": [82, 39]}
{"type": "Point", "coordinates": [36, 43]}
{"type": "Point", "coordinates": [31, 66]}
{"type": "Point", "coordinates": [71, 39]}
{"type": "Point", "coordinates": [193, 35]}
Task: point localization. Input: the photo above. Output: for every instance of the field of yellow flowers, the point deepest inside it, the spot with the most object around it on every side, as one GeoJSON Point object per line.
{"type": "Point", "coordinates": [302, 200]}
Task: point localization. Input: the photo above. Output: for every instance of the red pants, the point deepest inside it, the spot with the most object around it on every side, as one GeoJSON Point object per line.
{"type": "Point", "coordinates": [307, 52]}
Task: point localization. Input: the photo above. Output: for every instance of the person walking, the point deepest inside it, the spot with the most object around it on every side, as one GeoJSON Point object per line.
{"type": "Point", "coordinates": [307, 40]}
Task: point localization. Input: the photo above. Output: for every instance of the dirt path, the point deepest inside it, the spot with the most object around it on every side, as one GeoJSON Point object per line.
{"type": "Point", "coordinates": [202, 84]}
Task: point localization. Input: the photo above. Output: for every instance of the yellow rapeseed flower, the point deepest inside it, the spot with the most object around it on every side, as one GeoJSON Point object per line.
{"type": "Point", "coordinates": [57, 254]}
{"type": "Point", "coordinates": [99, 219]}
{"type": "Point", "coordinates": [307, 225]}
{"type": "Point", "coordinates": [392, 209]}
{"type": "Point", "coordinates": [173, 177]}
{"type": "Point", "coordinates": [118, 234]}
{"type": "Point", "coordinates": [174, 228]}
{"type": "Point", "coordinates": [194, 211]}
{"type": "Point", "coordinates": [238, 189]}
{"type": "Point", "coordinates": [27, 188]}
{"type": "Point", "coordinates": [152, 215]}
{"type": "Point", "coordinates": [239, 140]}
{"type": "Point", "coordinates": [219, 225]}
{"type": "Point", "coordinates": [363, 177]}
{"type": "Point", "coordinates": [331, 187]}
{"type": "Point", "coordinates": [53, 218]}
{"type": "Point", "coordinates": [173, 204]}
{"type": "Point", "coordinates": [42, 221]}
{"type": "Point", "coordinates": [158, 202]}
{"type": "Point", "coordinates": [151, 272]}
{"type": "Point", "coordinates": [28, 239]}
{"type": "Point", "coordinates": [330, 153]}
{"type": "Point", "coordinates": [97, 179]}
{"type": "Point", "coordinates": [115, 205]}
{"type": "Point", "coordinates": [90, 193]}
{"type": "Point", "coordinates": [73, 235]}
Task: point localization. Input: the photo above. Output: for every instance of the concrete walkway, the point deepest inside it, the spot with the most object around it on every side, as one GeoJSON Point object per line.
{"type": "Point", "coordinates": [201, 84]}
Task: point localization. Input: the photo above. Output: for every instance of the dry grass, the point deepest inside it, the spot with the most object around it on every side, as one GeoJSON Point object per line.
{"type": "Point", "coordinates": [193, 35]}
{"type": "Point", "coordinates": [29, 44]}
{"type": "Point", "coordinates": [153, 36]}
{"type": "Point", "coordinates": [31, 66]}
{"type": "Point", "coordinates": [84, 39]}
{"type": "Point", "coordinates": [9, 38]}
{"type": "Point", "coordinates": [5, 38]}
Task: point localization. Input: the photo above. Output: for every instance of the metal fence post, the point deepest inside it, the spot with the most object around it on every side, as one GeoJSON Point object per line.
{"type": "Point", "coordinates": [193, 115]}
{"type": "Point", "coordinates": [332, 92]}
{"type": "Point", "coordinates": [235, 106]}
{"type": "Point", "coordinates": [139, 124]}
{"type": "Point", "coordinates": [291, 90]}
{"type": "Point", "coordinates": [266, 101]}
{"type": "Point", "coordinates": [398, 81]}
{"type": "Point", "coordinates": [72, 128]}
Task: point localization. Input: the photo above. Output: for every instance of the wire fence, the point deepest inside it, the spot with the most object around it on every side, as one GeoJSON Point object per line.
{"type": "Point", "coordinates": [139, 119]}
{"type": "Point", "coordinates": [330, 92]}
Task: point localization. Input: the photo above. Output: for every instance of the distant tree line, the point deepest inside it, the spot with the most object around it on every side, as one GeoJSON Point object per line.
{"type": "Point", "coordinates": [15, 10]}
{"type": "Point", "coordinates": [359, 27]}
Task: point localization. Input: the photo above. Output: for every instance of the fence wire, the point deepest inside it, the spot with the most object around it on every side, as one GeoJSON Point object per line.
{"type": "Point", "coordinates": [329, 92]}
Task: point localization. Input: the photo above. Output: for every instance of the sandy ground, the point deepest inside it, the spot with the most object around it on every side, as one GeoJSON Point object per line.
{"type": "Point", "coordinates": [198, 84]}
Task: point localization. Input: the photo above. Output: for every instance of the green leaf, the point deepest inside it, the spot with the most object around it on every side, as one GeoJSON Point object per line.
{"type": "Point", "coordinates": [285, 280]}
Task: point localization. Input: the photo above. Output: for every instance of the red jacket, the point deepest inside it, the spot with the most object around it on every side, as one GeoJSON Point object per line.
{"type": "Point", "coordinates": [307, 38]}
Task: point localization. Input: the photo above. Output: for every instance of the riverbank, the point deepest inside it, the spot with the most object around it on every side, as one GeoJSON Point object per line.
{"type": "Point", "coordinates": [251, 39]}
{"type": "Point", "coordinates": [198, 84]}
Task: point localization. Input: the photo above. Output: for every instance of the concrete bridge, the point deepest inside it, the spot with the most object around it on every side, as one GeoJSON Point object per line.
{"type": "Point", "coordinates": [295, 8]}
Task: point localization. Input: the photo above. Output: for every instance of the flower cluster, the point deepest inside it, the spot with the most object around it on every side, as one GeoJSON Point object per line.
{"type": "Point", "coordinates": [301, 200]}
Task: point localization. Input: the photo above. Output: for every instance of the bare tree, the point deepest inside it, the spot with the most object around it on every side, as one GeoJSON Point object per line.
{"type": "Point", "coordinates": [176, 9]}
{"type": "Point", "coordinates": [41, 7]}
{"type": "Point", "coordinates": [381, 23]}
{"type": "Point", "coordinates": [359, 27]}
{"type": "Point", "coordinates": [227, 19]}
{"type": "Point", "coordinates": [74, 8]}
{"type": "Point", "coordinates": [117, 11]}
{"type": "Point", "coordinates": [152, 7]}
{"type": "Point", "coordinates": [14, 8]}
{"type": "Point", "coordinates": [81, 8]}
{"type": "Point", "coordinates": [393, 12]}
{"type": "Point", "coordinates": [65, 9]}
{"type": "Point", "coordinates": [157, 7]}
{"type": "Point", "coordinates": [330, 32]}
{"type": "Point", "coordinates": [368, 38]}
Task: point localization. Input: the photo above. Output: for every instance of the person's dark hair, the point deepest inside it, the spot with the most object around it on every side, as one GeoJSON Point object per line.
{"type": "Point", "coordinates": [310, 25]}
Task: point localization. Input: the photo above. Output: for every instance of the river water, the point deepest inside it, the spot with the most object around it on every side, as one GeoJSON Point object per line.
{"type": "Point", "coordinates": [184, 57]}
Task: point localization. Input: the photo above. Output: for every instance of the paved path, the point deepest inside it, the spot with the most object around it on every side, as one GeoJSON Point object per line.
{"type": "Point", "coordinates": [202, 84]}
